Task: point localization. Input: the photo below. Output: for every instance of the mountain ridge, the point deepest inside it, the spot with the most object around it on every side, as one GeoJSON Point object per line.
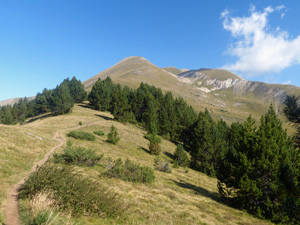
{"type": "Point", "coordinates": [226, 95]}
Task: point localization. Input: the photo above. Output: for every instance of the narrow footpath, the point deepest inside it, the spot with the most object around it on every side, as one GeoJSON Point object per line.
{"type": "Point", "coordinates": [12, 206]}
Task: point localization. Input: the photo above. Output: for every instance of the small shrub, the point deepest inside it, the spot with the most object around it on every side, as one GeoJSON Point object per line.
{"type": "Point", "coordinates": [175, 164]}
{"type": "Point", "coordinates": [80, 123]}
{"type": "Point", "coordinates": [99, 132]}
{"type": "Point", "coordinates": [78, 156]}
{"type": "Point", "coordinates": [162, 165]}
{"type": "Point", "coordinates": [69, 143]}
{"type": "Point", "coordinates": [112, 136]}
{"type": "Point", "coordinates": [181, 157]}
{"type": "Point", "coordinates": [130, 172]}
{"type": "Point", "coordinates": [81, 135]}
{"type": "Point", "coordinates": [73, 192]}
{"type": "Point", "coordinates": [154, 146]}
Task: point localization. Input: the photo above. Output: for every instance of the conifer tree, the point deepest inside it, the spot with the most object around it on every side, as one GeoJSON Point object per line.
{"type": "Point", "coordinates": [257, 172]}
{"type": "Point", "coordinates": [181, 157]}
{"type": "Point", "coordinates": [62, 101]}
{"type": "Point", "coordinates": [100, 96]}
{"type": "Point", "coordinates": [8, 118]}
{"type": "Point", "coordinates": [77, 90]}
{"type": "Point", "coordinates": [120, 108]}
{"type": "Point", "coordinates": [203, 144]}
{"type": "Point", "coordinates": [150, 116]}
{"type": "Point", "coordinates": [112, 136]}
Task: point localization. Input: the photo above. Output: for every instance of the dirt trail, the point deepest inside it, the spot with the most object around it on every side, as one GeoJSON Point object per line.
{"type": "Point", "coordinates": [12, 207]}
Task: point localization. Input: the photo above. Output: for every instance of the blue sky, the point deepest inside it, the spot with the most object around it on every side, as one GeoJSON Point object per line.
{"type": "Point", "coordinates": [42, 42]}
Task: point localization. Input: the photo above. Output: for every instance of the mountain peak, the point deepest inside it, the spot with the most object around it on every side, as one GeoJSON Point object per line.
{"type": "Point", "coordinates": [132, 59]}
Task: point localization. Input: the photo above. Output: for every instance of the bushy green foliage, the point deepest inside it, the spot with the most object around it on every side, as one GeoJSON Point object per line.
{"type": "Point", "coordinates": [205, 140]}
{"type": "Point", "coordinates": [99, 133]}
{"type": "Point", "coordinates": [154, 146]}
{"type": "Point", "coordinates": [162, 165]}
{"type": "Point", "coordinates": [81, 135]}
{"type": "Point", "coordinates": [76, 88]}
{"type": "Point", "coordinates": [160, 114]}
{"type": "Point", "coordinates": [101, 94]}
{"type": "Point", "coordinates": [112, 136]}
{"type": "Point", "coordinates": [77, 156]}
{"type": "Point", "coordinates": [258, 171]}
{"type": "Point", "coordinates": [62, 101]}
{"type": "Point", "coordinates": [130, 171]}
{"type": "Point", "coordinates": [72, 191]}
{"type": "Point", "coordinates": [57, 101]}
{"type": "Point", "coordinates": [181, 157]}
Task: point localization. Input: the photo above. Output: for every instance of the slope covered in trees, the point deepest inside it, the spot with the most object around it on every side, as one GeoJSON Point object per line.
{"type": "Point", "coordinates": [257, 167]}
{"type": "Point", "coordinates": [57, 101]}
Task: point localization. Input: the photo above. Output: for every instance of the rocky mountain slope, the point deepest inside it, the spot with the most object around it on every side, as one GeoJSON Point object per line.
{"type": "Point", "coordinates": [225, 94]}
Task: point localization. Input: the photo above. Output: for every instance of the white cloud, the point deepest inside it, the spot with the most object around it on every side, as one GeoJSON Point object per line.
{"type": "Point", "coordinates": [258, 49]}
{"type": "Point", "coordinates": [287, 82]}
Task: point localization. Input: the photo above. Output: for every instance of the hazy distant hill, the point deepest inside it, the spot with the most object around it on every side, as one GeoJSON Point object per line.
{"type": "Point", "coordinates": [12, 101]}
{"type": "Point", "coordinates": [225, 94]}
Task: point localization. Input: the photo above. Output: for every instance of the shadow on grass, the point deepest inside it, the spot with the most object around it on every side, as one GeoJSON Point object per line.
{"type": "Point", "coordinates": [168, 154]}
{"type": "Point", "coordinates": [104, 117]}
{"type": "Point", "coordinates": [84, 106]}
{"type": "Point", "coordinates": [39, 117]}
{"type": "Point", "coordinates": [201, 191]}
{"type": "Point", "coordinates": [144, 149]}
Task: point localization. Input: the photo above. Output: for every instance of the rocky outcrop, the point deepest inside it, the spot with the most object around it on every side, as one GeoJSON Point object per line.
{"type": "Point", "coordinates": [240, 87]}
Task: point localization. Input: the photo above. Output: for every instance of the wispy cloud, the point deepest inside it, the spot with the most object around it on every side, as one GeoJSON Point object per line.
{"type": "Point", "coordinates": [260, 50]}
{"type": "Point", "coordinates": [287, 82]}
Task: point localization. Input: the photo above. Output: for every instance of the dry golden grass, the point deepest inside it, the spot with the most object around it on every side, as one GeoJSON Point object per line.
{"type": "Point", "coordinates": [179, 197]}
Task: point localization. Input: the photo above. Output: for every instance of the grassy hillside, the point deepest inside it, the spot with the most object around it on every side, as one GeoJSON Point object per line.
{"type": "Point", "coordinates": [173, 70]}
{"type": "Point", "coordinates": [221, 74]}
{"type": "Point", "coordinates": [179, 197]}
{"type": "Point", "coordinates": [12, 101]}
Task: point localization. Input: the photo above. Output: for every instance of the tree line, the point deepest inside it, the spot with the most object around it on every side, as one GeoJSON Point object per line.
{"type": "Point", "coordinates": [55, 101]}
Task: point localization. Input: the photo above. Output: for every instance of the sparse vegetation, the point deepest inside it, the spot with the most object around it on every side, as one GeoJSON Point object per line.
{"type": "Point", "coordinates": [162, 165]}
{"type": "Point", "coordinates": [130, 171]}
{"type": "Point", "coordinates": [77, 156]}
{"type": "Point", "coordinates": [99, 133]}
{"type": "Point", "coordinates": [81, 135]}
{"type": "Point", "coordinates": [72, 192]}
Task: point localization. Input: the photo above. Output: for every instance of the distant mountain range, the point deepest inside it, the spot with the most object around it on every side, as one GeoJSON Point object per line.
{"type": "Point", "coordinates": [225, 94]}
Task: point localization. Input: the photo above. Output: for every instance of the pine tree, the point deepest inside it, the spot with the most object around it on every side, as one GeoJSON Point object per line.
{"type": "Point", "coordinates": [112, 136]}
{"type": "Point", "coordinates": [77, 90]}
{"type": "Point", "coordinates": [62, 101]}
{"type": "Point", "coordinates": [101, 94]}
{"type": "Point", "coordinates": [181, 157]}
{"type": "Point", "coordinates": [256, 171]}
{"type": "Point", "coordinates": [202, 144]}
{"type": "Point", "coordinates": [8, 118]}
{"type": "Point", "coordinates": [154, 145]}
{"type": "Point", "coordinates": [120, 108]}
